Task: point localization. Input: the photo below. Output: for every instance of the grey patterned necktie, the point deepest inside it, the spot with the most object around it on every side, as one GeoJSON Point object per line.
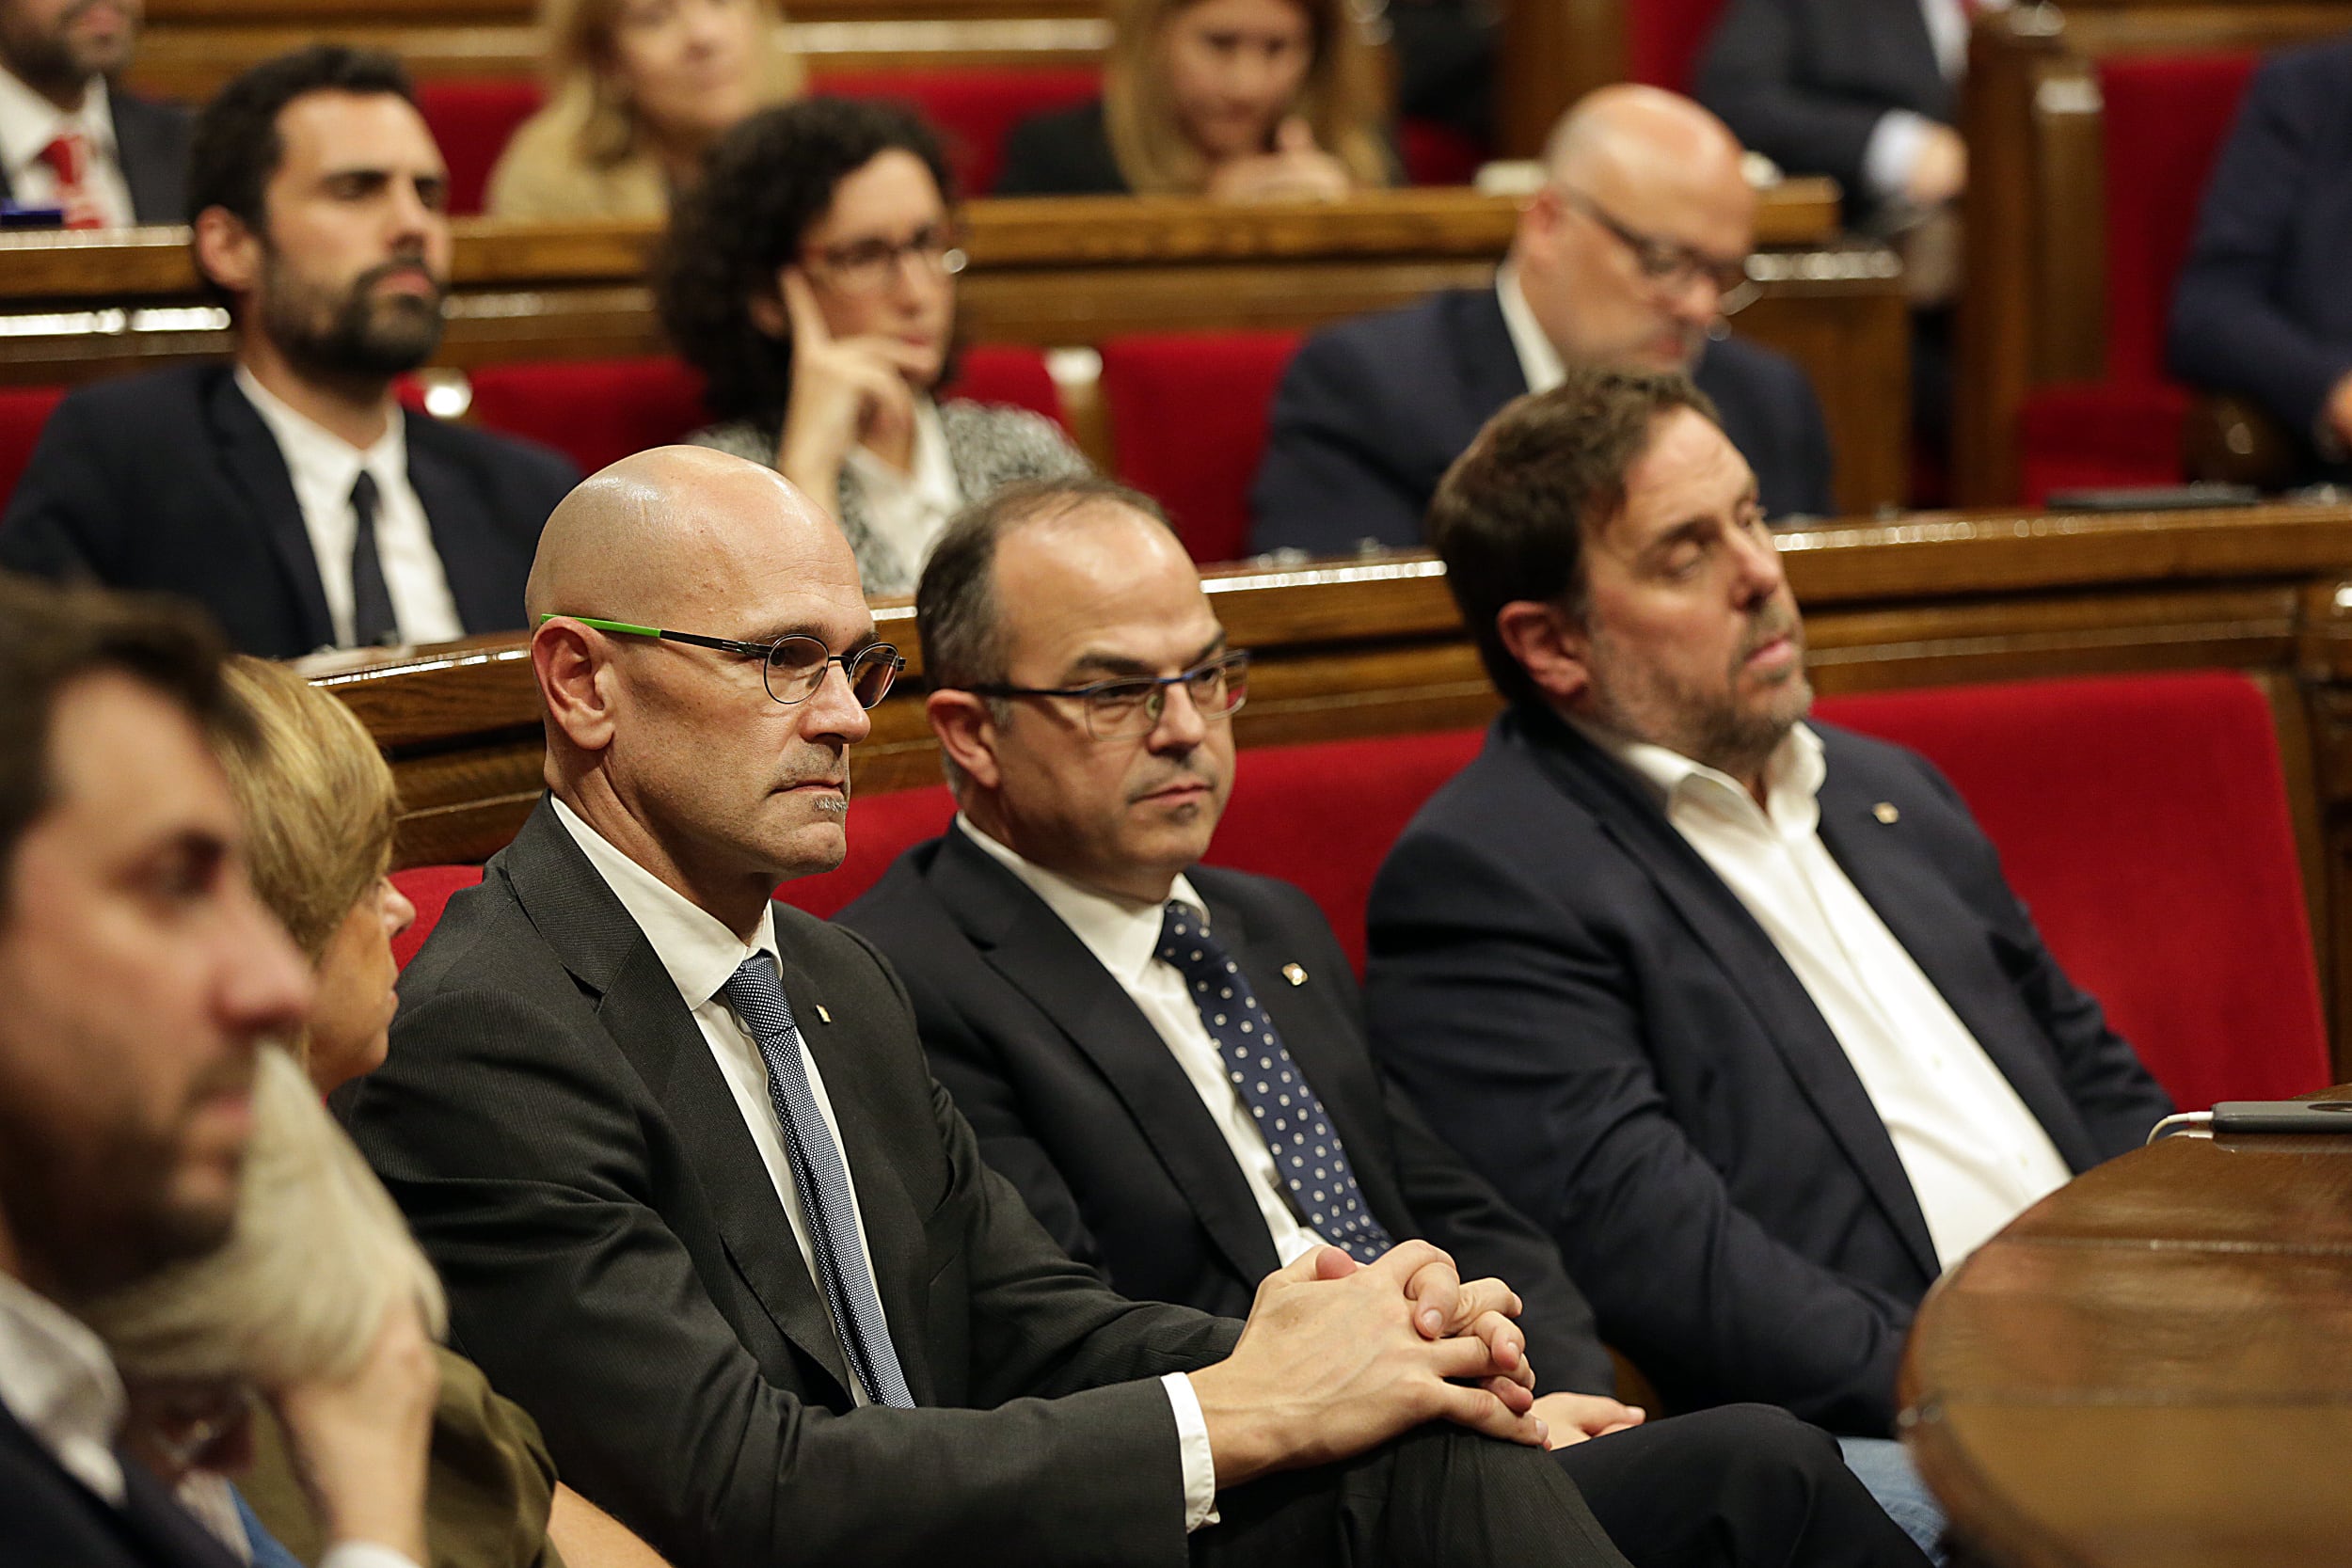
{"type": "Point", "coordinates": [1289, 1115]}
{"type": "Point", "coordinates": [823, 1180]}
{"type": "Point", "coordinates": [373, 622]}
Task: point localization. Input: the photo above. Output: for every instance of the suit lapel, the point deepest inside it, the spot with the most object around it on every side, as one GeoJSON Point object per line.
{"type": "Point", "coordinates": [639, 1005]}
{"type": "Point", "coordinates": [462, 536]}
{"type": "Point", "coordinates": [1026, 942]}
{"type": "Point", "coordinates": [1947, 941]}
{"type": "Point", "coordinates": [255, 466]}
{"type": "Point", "coordinates": [149, 152]}
{"type": "Point", "coordinates": [1489, 361]}
{"type": "Point", "coordinates": [1728, 933]}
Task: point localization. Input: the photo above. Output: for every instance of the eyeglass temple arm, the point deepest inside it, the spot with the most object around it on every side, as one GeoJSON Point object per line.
{"type": "Point", "coordinates": [625, 628]}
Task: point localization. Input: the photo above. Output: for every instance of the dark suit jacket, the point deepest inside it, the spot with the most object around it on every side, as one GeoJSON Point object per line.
{"type": "Point", "coordinates": [1075, 1096]}
{"type": "Point", "coordinates": [1372, 411]}
{"type": "Point", "coordinates": [2261, 308]}
{"type": "Point", "coordinates": [1590, 1014]}
{"type": "Point", "coordinates": [152, 142]}
{"type": "Point", "coordinates": [1803, 82]}
{"type": "Point", "coordinates": [553, 1123]}
{"type": "Point", "coordinates": [1061, 152]}
{"type": "Point", "coordinates": [171, 481]}
{"type": "Point", "coordinates": [52, 1521]}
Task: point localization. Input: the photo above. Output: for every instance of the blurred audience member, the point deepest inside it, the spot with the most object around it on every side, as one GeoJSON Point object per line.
{"type": "Point", "coordinates": [811, 279]}
{"type": "Point", "coordinates": [318, 805]}
{"type": "Point", "coordinates": [288, 492]}
{"type": "Point", "coordinates": [1630, 255]}
{"type": "Point", "coordinates": [138, 978]}
{"type": "Point", "coordinates": [2260, 308]}
{"type": "Point", "coordinates": [639, 91]}
{"type": "Point", "coordinates": [69, 137]}
{"type": "Point", "coordinates": [1251, 100]}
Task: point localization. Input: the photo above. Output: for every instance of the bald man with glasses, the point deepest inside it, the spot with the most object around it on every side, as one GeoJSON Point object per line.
{"type": "Point", "coordinates": [1632, 254]}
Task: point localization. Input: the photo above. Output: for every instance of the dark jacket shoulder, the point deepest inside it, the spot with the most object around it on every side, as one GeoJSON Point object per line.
{"type": "Point", "coordinates": [1063, 152]}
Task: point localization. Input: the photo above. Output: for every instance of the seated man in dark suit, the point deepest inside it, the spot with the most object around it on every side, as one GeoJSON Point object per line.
{"type": "Point", "coordinates": [1627, 256]}
{"type": "Point", "coordinates": [1739, 1010]}
{"type": "Point", "coordinates": [70, 139]}
{"type": "Point", "coordinates": [138, 976]}
{"type": "Point", "coordinates": [702, 1210]}
{"type": "Point", "coordinates": [2261, 308]}
{"type": "Point", "coordinates": [1060, 945]}
{"type": "Point", "coordinates": [290, 494]}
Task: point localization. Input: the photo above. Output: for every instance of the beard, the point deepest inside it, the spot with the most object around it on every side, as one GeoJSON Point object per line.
{"type": "Point", "coordinates": [356, 335]}
{"type": "Point", "coordinates": [58, 61]}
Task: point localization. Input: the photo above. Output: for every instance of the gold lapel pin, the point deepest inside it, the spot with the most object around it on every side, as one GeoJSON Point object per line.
{"type": "Point", "coordinates": [1295, 974]}
{"type": "Point", "coordinates": [1884, 811]}
{"type": "Point", "coordinates": [822, 1015]}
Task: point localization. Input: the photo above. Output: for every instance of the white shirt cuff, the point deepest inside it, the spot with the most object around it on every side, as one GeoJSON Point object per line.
{"type": "Point", "coordinates": [1893, 148]}
{"type": "Point", "coordinates": [1192, 1448]}
{"type": "Point", "coordinates": [364, 1554]}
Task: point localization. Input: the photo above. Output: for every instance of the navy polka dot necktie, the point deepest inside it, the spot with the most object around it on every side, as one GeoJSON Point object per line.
{"type": "Point", "coordinates": [1306, 1149]}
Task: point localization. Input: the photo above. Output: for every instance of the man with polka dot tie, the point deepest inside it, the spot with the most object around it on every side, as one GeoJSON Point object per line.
{"type": "Point", "coordinates": [1168, 1059]}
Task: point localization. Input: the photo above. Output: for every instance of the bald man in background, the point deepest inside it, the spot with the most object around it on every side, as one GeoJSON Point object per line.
{"type": "Point", "coordinates": [702, 1210]}
{"type": "Point", "coordinates": [1629, 256]}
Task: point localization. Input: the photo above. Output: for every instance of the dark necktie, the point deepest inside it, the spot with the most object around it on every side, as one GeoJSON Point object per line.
{"type": "Point", "coordinates": [1307, 1148]}
{"type": "Point", "coordinates": [757, 994]}
{"type": "Point", "coordinates": [373, 620]}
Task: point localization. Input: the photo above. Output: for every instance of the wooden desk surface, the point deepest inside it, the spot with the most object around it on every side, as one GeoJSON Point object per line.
{"type": "Point", "coordinates": [2153, 1367]}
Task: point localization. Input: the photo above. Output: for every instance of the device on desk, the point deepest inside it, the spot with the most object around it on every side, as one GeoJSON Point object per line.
{"type": "Point", "coordinates": [2151, 498]}
{"type": "Point", "coordinates": [2231, 1117]}
{"type": "Point", "coordinates": [18, 215]}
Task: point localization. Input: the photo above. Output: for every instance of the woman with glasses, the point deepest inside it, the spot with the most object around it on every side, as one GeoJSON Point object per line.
{"type": "Point", "coordinates": [1246, 100]}
{"type": "Point", "coordinates": [811, 278]}
{"type": "Point", "coordinates": [639, 91]}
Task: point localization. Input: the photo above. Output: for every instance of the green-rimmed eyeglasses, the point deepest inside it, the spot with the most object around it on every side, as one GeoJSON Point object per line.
{"type": "Point", "coordinates": [791, 666]}
{"type": "Point", "coordinates": [1123, 708]}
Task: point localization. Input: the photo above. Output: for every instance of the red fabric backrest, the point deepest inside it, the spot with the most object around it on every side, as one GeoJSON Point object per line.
{"type": "Point", "coordinates": [1189, 422]}
{"type": "Point", "coordinates": [975, 108]}
{"type": "Point", "coordinates": [24, 410]}
{"type": "Point", "coordinates": [2143, 820]}
{"type": "Point", "coordinates": [1007, 373]}
{"type": "Point", "coordinates": [1322, 815]}
{"type": "Point", "coordinates": [594, 411]}
{"type": "Point", "coordinates": [2166, 117]}
{"type": "Point", "coordinates": [1664, 38]}
{"type": "Point", "coordinates": [1436, 153]}
{"type": "Point", "coordinates": [881, 828]}
{"type": "Point", "coordinates": [472, 120]}
{"type": "Point", "coordinates": [429, 888]}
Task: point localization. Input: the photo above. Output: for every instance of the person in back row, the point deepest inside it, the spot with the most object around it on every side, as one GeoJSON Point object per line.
{"type": "Point", "coordinates": [69, 137]}
{"type": "Point", "coordinates": [1245, 100]}
{"type": "Point", "coordinates": [1168, 1059]}
{"type": "Point", "coordinates": [289, 493]}
{"type": "Point", "coordinates": [811, 277]}
{"type": "Point", "coordinates": [1739, 1010]}
{"type": "Point", "coordinates": [1629, 255]}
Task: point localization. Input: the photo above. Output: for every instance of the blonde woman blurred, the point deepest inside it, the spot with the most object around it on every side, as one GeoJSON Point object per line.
{"type": "Point", "coordinates": [319, 806]}
{"type": "Point", "coordinates": [638, 90]}
{"type": "Point", "coordinates": [1246, 100]}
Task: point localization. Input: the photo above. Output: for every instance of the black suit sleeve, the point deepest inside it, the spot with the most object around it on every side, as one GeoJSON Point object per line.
{"type": "Point", "coordinates": [1519, 1032]}
{"type": "Point", "coordinates": [1328, 480]}
{"type": "Point", "coordinates": [2228, 330]}
{"type": "Point", "coordinates": [524, 1160]}
{"type": "Point", "coordinates": [1752, 75]}
{"type": "Point", "coordinates": [1066, 152]}
{"type": "Point", "coordinates": [65, 520]}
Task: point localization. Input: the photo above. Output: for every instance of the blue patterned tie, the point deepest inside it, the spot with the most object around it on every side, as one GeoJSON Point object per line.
{"type": "Point", "coordinates": [757, 994]}
{"type": "Point", "coordinates": [1306, 1151]}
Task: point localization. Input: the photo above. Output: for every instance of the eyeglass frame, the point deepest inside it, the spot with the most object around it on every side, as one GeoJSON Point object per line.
{"type": "Point", "coordinates": [764, 652]}
{"type": "Point", "coordinates": [1233, 664]}
{"type": "Point", "coordinates": [1668, 265]}
{"type": "Point", "coordinates": [951, 259]}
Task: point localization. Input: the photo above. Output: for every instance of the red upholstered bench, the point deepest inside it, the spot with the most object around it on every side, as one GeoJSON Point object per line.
{"type": "Point", "coordinates": [23, 411]}
{"type": "Point", "coordinates": [594, 411]}
{"type": "Point", "coordinates": [472, 119]}
{"type": "Point", "coordinates": [1007, 373]}
{"type": "Point", "coordinates": [1663, 39]}
{"type": "Point", "coordinates": [975, 107]}
{"type": "Point", "coordinates": [1189, 422]}
{"type": "Point", "coordinates": [2165, 119]}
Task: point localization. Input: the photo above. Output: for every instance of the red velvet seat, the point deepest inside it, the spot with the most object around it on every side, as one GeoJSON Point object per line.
{"type": "Point", "coordinates": [1663, 39]}
{"type": "Point", "coordinates": [24, 410]}
{"type": "Point", "coordinates": [1189, 422]}
{"type": "Point", "coordinates": [430, 888]}
{"type": "Point", "coordinates": [1007, 373]}
{"type": "Point", "coordinates": [594, 411]}
{"type": "Point", "coordinates": [1436, 154]}
{"type": "Point", "coordinates": [2165, 119]}
{"type": "Point", "coordinates": [471, 119]}
{"type": "Point", "coordinates": [975, 107]}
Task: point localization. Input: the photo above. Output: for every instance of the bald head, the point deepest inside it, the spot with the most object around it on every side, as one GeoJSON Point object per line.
{"type": "Point", "coordinates": [1632, 130]}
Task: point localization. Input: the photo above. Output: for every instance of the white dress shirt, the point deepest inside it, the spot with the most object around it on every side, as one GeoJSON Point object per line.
{"type": "Point", "coordinates": [701, 955]}
{"type": "Point", "coordinates": [1975, 1154]}
{"type": "Point", "coordinates": [1539, 361]}
{"type": "Point", "coordinates": [1124, 938]}
{"type": "Point", "coordinates": [324, 467]}
{"type": "Point", "coordinates": [58, 1381]}
{"type": "Point", "coordinates": [909, 511]}
{"type": "Point", "coordinates": [29, 122]}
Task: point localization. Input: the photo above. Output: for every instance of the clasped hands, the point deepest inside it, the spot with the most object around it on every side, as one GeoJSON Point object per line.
{"type": "Point", "coordinates": [1337, 1357]}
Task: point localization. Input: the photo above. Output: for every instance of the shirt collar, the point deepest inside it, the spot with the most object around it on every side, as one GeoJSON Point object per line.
{"type": "Point", "coordinates": [1539, 361]}
{"type": "Point", "coordinates": [693, 945]}
{"type": "Point", "coordinates": [1792, 774]}
{"type": "Point", "coordinates": [1123, 935]}
{"type": "Point", "coordinates": [58, 1381]}
{"type": "Point", "coordinates": [29, 122]}
{"type": "Point", "coordinates": [314, 452]}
